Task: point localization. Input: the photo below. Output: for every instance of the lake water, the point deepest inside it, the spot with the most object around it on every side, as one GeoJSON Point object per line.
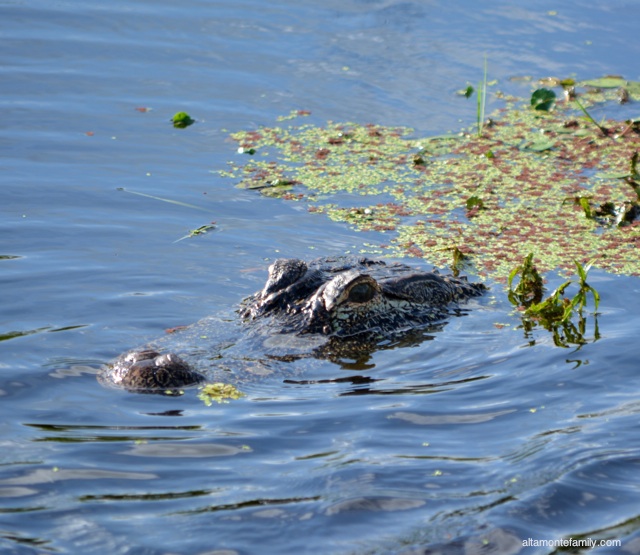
{"type": "Point", "coordinates": [473, 442]}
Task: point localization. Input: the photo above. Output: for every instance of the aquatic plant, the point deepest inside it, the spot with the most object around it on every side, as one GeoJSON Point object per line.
{"type": "Point", "coordinates": [182, 120]}
{"type": "Point", "coordinates": [543, 99]}
{"type": "Point", "coordinates": [530, 284]}
{"type": "Point", "coordinates": [589, 118]}
{"type": "Point", "coordinates": [198, 231]}
{"type": "Point", "coordinates": [218, 392]}
{"type": "Point", "coordinates": [554, 309]}
{"type": "Point", "coordinates": [533, 181]}
{"type": "Point", "coordinates": [556, 312]}
{"type": "Point", "coordinates": [482, 100]}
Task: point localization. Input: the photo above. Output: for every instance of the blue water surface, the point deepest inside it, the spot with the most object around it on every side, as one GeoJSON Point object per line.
{"type": "Point", "coordinates": [472, 441]}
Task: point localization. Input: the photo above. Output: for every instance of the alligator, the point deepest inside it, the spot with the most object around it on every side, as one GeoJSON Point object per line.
{"type": "Point", "coordinates": [341, 304]}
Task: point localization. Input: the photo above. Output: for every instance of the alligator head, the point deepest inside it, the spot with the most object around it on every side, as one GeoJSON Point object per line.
{"type": "Point", "coordinates": [349, 296]}
{"type": "Point", "coordinates": [354, 303]}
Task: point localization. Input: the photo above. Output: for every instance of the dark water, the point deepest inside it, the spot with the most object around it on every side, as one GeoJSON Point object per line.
{"type": "Point", "coordinates": [471, 442]}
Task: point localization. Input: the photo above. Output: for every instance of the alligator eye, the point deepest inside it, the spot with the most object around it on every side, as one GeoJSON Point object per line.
{"type": "Point", "coordinates": [361, 293]}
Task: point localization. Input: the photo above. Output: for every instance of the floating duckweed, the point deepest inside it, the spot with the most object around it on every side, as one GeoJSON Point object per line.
{"type": "Point", "coordinates": [294, 114]}
{"type": "Point", "coordinates": [218, 392]}
{"type": "Point", "coordinates": [492, 198]}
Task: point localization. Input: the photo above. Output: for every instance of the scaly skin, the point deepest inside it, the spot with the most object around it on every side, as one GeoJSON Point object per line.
{"type": "Point", "coordinates": [342, 298]}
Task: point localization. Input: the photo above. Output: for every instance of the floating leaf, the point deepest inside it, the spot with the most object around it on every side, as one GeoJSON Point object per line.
{"type": "Point", "coordinates": [474, 202]}
{"type": "Point", "coordinates": [550, 82]}
{"type": "Point", "coordinates": [622, 175]}
{"type": "Point", "coordinates": [467, 92]}
{"type": "Point", "coordinates": [543, 99]}
{"type": "Point", "coordinates": [540, 144]}
{"type": "Point", "coordinates": [612, 82]}
{"type": "Point", "coordinates": [633, 88]}
{"type": "Point", "coordinates": [182, 120]}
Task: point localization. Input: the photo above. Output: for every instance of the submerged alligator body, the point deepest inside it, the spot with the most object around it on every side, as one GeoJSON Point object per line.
{"type": "Point", "coordinates": [337, 301]}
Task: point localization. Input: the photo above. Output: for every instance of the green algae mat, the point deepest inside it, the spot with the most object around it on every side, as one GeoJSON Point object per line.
{"type": "Point", "coordinates": [542, 175]}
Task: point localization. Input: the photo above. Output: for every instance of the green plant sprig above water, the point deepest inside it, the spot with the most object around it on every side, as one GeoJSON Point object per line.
{"type": "Point", "coordinates": [493, 197]}
{"type": "Point", "coordinates": [482, 100]}
{"type": "Point", "coordinates": [556, 312]}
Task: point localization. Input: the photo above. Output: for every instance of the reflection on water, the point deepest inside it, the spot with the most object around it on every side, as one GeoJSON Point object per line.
{"type": "Point", "coordinates": [464, 439]}
{"type": "Point", "coordinates": [433, 420]}
{"type": "Point", "coordinates": [181, 450]}
{"type": "Point", "coordinates": [42, 476]}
